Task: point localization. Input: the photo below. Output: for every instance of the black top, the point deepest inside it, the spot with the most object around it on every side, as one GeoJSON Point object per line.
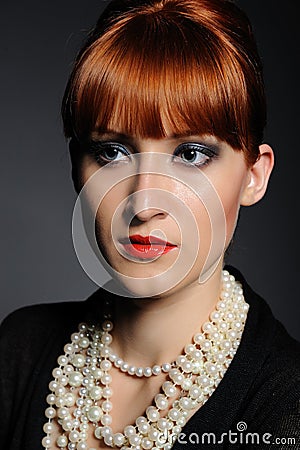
{"type": "Point", "coordinates": [260, 391]}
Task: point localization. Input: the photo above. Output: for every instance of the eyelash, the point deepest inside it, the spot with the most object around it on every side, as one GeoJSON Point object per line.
{"type": "Point", "coordinates": [98, 148]}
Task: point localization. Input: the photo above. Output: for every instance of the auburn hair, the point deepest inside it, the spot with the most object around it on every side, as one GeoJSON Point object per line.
{"type": "Point", "coordinates": [151, 66]}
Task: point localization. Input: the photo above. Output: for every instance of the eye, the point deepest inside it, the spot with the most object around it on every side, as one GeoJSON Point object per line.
{"type": "Point", "coordinates": [194, 153]}
{"type": "Point", "coordinates": [108, 152]}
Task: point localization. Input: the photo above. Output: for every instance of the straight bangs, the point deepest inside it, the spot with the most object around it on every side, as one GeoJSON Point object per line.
{"type": "Point", "coordinates": [157, 74]}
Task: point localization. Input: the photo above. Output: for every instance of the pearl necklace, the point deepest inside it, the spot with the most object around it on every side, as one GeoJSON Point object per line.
{"type": "Point", "coordinates": [192, 378]}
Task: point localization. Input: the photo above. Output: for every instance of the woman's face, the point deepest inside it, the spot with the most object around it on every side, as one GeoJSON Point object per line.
{"type": "Point", "coordinates": [168, 207]}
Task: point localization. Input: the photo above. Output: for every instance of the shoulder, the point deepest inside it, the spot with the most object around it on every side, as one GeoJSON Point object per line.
{"type": "Point", "coordinates": [271, 365]}
{"type": "Point", "coordinates": [33, 321]}
{"type": "Point", "coordinates": [29, 326]}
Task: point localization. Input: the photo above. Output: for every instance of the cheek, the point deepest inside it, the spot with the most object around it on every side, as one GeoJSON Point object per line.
{"type": "Point", "coordinates": [230, 199]}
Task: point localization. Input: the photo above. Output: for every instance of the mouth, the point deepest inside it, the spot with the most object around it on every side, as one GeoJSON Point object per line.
{"type": "Point", "coordinates": [146, 247]}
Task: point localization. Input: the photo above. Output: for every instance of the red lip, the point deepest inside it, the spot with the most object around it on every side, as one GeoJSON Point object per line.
{"type": "Point", "coordinates": [146, 247]}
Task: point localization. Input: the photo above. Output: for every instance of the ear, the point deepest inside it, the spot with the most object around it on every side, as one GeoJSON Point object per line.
{"type": "Point", "coordinates": [258, 176]}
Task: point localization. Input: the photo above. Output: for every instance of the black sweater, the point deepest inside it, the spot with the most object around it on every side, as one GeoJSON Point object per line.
{"type": "Point", "coordinates": [260, 391]}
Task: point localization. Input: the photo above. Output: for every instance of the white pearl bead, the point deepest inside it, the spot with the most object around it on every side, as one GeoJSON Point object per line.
{"type": "Point", "coordinates": [162, 424]}
{"type": "Point", "coordinates": [118, 362]}
{"type": "Point", "coordinates": [185, 403]}
{"type": "Point", "coordinates": [63, 380]}
{"type": "Point", "coordinates": [195, 391]}
{"type": "Point", "coordinates": [156, 370]}
{"type": "Point", "coordinates": [206, 345]}
{"type": "Point", "coordinates": [134, 440]}
{"type": "Point", "coordinates": [147, 372]}
{"type": "Point", "coordinates": [146, 443]}
{"type": "Point", "coordinates": [50, 413]}
{"type": "Point", "coordinates": [106, 378]}
{"type": "Point", "coordinates": [131, 370]}
{"type": "Point", "coordinates": [139, 371]}
{"type": "Point", "coordinates": [51, 398]}
{"type": "Point", "coordinates": [176, 376]}
{"type": "Point", "coordinates": [107, 392]}
{"type": "Point", "coordinates": [78, 360]}
{"type": "Point", "coordinates": [186, 384]}
{"type": "Point", "coordinates": [129, 430]}
{"type": "Point", "coordinates": [140, 420]}
{"type": "Point", "coordinates": [161, 401]}
{"type": "Point", "coordinates": [190, 349]}
{"type": "Point", "coordinates": [105, 365]}
{"type": "Point", "coordinates": [143, 427]}
{"type": "Point", "coordinates": [69, 399]}
{"type": "Point", "coordinates": [169, 389]}
{"type": "Point", "coordinates": [53, 385]}
{"type": "Point", "coordinates": [68, 369]}
{"type": "Point", "coordinates": [106, 339]}
{"type": "Point", "coordinates": [181, 421]}
{"type": "Point", "coordinates": [166, 367]}
{"type": "Point", "coordinates": [152, 414]}
{"type": "Point", "coordinates": [84, 427]}
{"type": "Point", "coordinates": [68, 348]}
{"type": "Point", "coordinates": [82, 446]}
{"type": "Point", "coordinates": [105, 353]}
{"type": "Point", "coordinates": [61, 390]}
{"type": "Point", "coordinates": [153, 433]}
{"type": "Point", "coordinates": [199, 338]}
{"type": "Point", "coordinates": [46, 442]}
{"type": "Point", "coordinates": [124, 366]}
{"type": "Point", "coordinates": [74, 436]}
{"type": "Point", "coordinates": [94, 414]}
{"type": "Point", "coordinates": [62, 441]}
{"type": "Point", "coordinates": [180, 360]}
{"type": "Point", "coordinates": [108, 439]}
{"type": "Point", "coordinates": [84, 342]}
{"type": "Point", "coordinates": [62, 413]}
{"type": "Point", "coordinates": [98, 432]}
{"type": "Point", "coordinates": [118, 439]}
{"type": "Point", "coordinates": [97, 373]}
{"type": "Point", "coordinates": [57, 372]}
{"type": "Point", "coordinates": [48, 427]}
{"type": "Point", "coordinates": [67, 424]}
{"type": "Point", "coordinates": [187, 367]}
{"type": "Point", "coordinates": [174, 414]}
{"type": "Point", "coordinates": [95, 393]}
{"type": "Point", "coordinates": [106, 431]}
{"type": "Point", "coordinates": [107, 406]}
{"type": "Point", "coordinates": [75, 379]}
{"type": "Point", "coordinates": [106, 420]}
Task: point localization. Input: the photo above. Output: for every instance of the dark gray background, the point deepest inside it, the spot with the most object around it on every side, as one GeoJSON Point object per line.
{"type": "Point", "coordinates": [38, 43]}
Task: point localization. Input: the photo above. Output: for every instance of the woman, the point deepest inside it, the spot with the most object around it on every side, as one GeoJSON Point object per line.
{"type": "Point", "coordinates": [165, 112]}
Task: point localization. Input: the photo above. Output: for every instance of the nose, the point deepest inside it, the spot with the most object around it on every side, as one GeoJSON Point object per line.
{"type": "Point", "coordinates": [145, 201]}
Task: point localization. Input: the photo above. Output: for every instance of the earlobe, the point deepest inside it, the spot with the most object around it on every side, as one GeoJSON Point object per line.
{"type": "Point", "coordinates": [258, 176]}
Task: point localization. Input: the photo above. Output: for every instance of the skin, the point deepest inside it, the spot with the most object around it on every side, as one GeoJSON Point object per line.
{"type": "Point", "coordinates": [143, 324]}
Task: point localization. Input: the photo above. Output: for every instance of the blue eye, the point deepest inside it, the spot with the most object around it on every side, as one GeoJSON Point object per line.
{"type": "Point", "coordinates": [194, 153]}
{"type": "Point", "coordinates": [107, 152]}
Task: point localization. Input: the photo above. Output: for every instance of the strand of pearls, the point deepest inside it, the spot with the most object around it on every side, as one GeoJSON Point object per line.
{"type": "Point", "coordinates": [80, 397]}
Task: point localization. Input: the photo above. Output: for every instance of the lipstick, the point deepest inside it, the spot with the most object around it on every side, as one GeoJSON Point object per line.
{"type": "Point", "coordinates": [146, 247]}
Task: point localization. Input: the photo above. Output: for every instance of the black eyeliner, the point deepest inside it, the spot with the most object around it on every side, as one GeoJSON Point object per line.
{"type": "Point", "coordinates": [94, 148]}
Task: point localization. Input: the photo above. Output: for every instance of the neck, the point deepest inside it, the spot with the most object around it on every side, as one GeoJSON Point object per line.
{"type": "Point", "coordinates": [155, 331]}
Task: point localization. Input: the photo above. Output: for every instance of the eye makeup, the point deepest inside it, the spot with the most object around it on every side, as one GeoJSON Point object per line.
{"type": "Point", "coordinates": [196, 154]}
{"type": "Point", "coordinates": [190, 152]}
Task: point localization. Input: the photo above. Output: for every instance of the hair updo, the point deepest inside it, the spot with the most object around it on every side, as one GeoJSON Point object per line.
{"type": "Point", "coordinates": [151, 66]}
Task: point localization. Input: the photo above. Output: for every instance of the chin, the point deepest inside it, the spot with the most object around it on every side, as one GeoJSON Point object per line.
{"type": "Point", "coordinates": [145, 287]}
